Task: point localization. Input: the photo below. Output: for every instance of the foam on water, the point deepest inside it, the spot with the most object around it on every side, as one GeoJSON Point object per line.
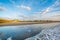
{"type": "Point", "coordinates": [52, 33]}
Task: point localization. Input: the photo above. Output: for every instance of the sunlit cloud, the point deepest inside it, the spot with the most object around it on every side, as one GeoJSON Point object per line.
{"type": "Point", "coordinates": [52, 8]}
{"type": "Point", "coordinates": [55, 6]}
{"type": "Point", "coordinates": [24, 7]}
{"type": "Point", "coordinates": [48, 12]}
{"type": "Point", "coordinates": [21, 9]}
{"type": "Point", "coordinates": [20, 6]}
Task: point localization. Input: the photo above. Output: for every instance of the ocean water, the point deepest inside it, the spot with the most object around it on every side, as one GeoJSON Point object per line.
{"type": "Point", "coordinates": [22, 32]}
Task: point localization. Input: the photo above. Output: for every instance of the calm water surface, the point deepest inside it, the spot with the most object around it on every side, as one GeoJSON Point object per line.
{"type": "Point", "coordinates": [22, 32]}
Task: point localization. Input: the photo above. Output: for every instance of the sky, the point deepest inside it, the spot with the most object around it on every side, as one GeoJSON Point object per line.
{"type": "Point", "coordinates": [29, 9]}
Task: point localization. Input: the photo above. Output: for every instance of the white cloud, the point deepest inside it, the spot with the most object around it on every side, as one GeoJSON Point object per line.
{"type": "Point", "coordinates": [20, 6]}
{"type": "Point", "coordinates": [24, 7]}
{"type": "Point", "coordinates": [48, 12]}
{"type": "Point", "coordinates": [44, 14]}
{"type": "Point", "coordinates": [54, 7]}
{"type": "Point", "coordinates": [2, 8]}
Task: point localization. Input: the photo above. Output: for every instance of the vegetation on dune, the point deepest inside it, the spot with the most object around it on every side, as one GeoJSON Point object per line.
{"type": "Point", "coordinates": [2, 20]}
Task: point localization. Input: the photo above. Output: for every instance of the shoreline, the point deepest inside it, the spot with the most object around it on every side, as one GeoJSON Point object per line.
{"type": "Point", "coordinates": [24, 23]}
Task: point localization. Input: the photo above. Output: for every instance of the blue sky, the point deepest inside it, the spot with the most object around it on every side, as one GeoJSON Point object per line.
{"type": "Point", "coordinates": [29, 9]}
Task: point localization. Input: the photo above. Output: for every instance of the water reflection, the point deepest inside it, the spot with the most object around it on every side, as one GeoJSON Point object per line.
{"type": "Point", "coordinates": [22, 32]}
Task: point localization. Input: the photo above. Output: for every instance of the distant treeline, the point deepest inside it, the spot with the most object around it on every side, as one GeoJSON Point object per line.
{"type": "Point", "coordinates": [41, 21]}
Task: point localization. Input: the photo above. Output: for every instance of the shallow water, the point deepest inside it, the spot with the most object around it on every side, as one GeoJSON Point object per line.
{"type": "Point", "coordinates": [22, 32]}
{"type": "Point", "coordinates": [52, 33]}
